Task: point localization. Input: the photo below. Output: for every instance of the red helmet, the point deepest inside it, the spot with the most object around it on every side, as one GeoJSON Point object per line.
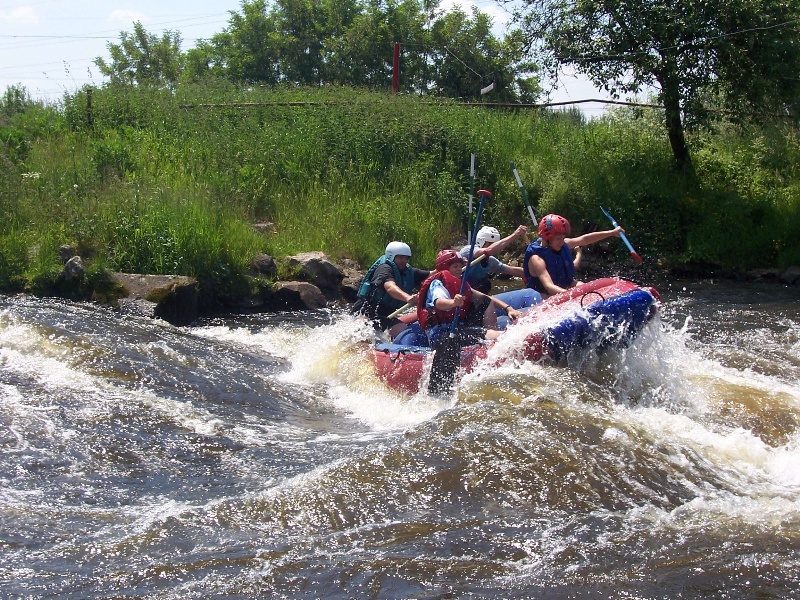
{"type": "Point", "coordinates": [550, 225]}
{"type": "Point", "coordinates": [445, 258]}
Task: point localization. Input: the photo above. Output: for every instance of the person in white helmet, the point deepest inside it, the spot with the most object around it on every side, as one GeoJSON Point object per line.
{"type": "Point", "coordinates": [488, 244]}
{"type": "Point", "coordinates": [390, 283]}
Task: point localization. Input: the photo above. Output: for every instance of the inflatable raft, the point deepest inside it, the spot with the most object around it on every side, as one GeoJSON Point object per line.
{"type": "Point", "coordinates": [603, 313]}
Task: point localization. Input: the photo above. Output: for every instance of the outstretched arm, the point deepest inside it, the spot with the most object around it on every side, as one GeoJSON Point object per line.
{"type": "Point", "coordinates": [512, 312]}
{"type": "Point", "coordinates": [593, 238]}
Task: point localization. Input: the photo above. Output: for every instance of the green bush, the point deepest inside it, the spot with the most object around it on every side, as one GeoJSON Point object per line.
{"type": "Point", "coordinates": [157, 181]}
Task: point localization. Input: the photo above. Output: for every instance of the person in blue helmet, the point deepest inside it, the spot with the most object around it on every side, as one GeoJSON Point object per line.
{"type": "Point", "coordinates": [390, 283]}
{"type": "Point", "coordinates": [549, 263]}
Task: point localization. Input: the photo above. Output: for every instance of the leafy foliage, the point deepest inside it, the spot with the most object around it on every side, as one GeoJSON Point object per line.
{"type": "Point", "coordinates": [700, 55]}
{"type": "Point", "coordinates": [143, 58]}
{"type": "Point", "coordinates": [161, 182]}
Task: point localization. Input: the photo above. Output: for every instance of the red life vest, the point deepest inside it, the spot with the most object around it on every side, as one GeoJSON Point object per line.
{"type": "Point", "coordinates": [429, 317]}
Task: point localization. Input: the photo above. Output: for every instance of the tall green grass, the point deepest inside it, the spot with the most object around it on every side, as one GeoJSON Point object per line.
{"type": "Point", "coordinates": [154, 182]}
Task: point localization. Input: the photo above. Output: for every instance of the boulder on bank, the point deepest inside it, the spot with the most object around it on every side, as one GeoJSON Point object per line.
{"type": "Point", "coordinates": [316, 268]}
{"type": "Point", "coordinates": [263, 265]}
{"type": "Point", "coordinates": [296, 295]}
{"type": "Point", "coordinates": [353, 275]}
{"type": "Point", "coordinates": [169, 297]}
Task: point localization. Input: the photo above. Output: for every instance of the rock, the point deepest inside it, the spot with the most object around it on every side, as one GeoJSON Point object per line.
{"type": "Point", "coordinates": [791, 275]}
{"type": "Point", "coordinates": [263, 265]}
{"type": "Point", "coordinates": [172, 297]}
{"type": "Point", "coordinates": [353, 275]}
{"type": "Point", "coordinates": [296, 295]}
{"type": "Point", "coordinates": [764, 275]}
{"type": "Point", "coordinates": [66, 252]}
{"type": "Point", "coordinates": [318, 269]}
{"type": "Point", "coordinates": [265, 227]}
{"type": "Point", "coordinates": [74, 269]}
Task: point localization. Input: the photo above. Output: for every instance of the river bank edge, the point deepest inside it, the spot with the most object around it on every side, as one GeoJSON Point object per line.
{"type": "Point", "coordinates": [313, 281]}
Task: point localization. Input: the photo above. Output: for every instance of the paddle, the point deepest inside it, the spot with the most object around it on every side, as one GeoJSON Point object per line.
{"type": "Point", "coordinates": [524, 194]}
{"type": "Point", "coordinates": [401, 309]}
{"type": "Point", "coordinates": [471, 192]}
{"type": "Point", "coordinates": [447, 356]}
{"type": "Point", "coordinates": [634, 254]}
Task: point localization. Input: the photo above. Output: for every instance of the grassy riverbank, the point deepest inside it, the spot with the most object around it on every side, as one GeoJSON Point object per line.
{"type": "Point", "coordinates": [159, 182]}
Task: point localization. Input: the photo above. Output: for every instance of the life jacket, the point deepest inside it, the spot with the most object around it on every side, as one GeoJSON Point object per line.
{"type": "Point", "coordinates": [478, 271]}
{"type": "Point", "coordinates": [375, 295]}
{"type": "Point", "coordinates": [429, 317]}
{"type": "Point", "coordinates": [559, 265]}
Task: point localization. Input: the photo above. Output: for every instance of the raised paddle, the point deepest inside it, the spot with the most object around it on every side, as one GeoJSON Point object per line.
{"type": "Point", "coordinates": [524, 194]}
{"type": "Point", "coordinates": [447, 356]}
{"type": "Point", "coordinates": [634, 254]}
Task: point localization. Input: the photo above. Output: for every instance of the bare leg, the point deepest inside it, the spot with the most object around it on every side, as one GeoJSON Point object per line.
{"type": "Point", "coordinates": [490, 317]}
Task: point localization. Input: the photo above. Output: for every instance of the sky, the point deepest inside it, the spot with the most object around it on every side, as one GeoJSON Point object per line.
{"type": "Point", "coordinates": [49, 46]}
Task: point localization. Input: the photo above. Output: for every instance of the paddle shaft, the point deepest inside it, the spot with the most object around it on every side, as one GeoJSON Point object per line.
{"type": "Point", "coordinates": [634, 254]}
{"type": "Point", "coordinates": [399, 310]}
{"type": "Point", "coordinates": [524, 193]}
{"type": "Point", "coordinates": [483, 194]}
{"type": "Point", "coordinates": [471, 192]}
{"type": "Point", "coordinates": [447, 356]}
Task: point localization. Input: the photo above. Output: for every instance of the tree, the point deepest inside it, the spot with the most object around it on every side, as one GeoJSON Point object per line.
{"type": "Point", "coordinates": [247, 50]}
{"type": "Point", "coordinates": [744, 54]}
{"type": "Point", "coordinates": [144, 59]}
{"type": "Point", "coordinates": [468, 56]}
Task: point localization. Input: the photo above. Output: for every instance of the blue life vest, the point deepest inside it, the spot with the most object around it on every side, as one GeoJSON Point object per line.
{"type": "Point", "coordinates": [376, 296]}
{"type": "Point", "coordinates": [559, 266]}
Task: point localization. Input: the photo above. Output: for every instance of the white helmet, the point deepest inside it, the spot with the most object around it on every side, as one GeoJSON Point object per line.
{"type": "Point", "coordinates": [486, 235]}
{"type": "Point", "coordinates": [397, 249]}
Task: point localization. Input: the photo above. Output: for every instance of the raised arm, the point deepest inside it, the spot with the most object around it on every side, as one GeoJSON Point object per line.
{"type": "Point", "coordinates": [502, 244]}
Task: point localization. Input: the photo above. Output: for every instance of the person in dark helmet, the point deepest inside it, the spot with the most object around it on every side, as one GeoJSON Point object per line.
{"type": "Point", "coordinates": [389, 284]}
{"type": "Point", "coordinates": [549, 263]}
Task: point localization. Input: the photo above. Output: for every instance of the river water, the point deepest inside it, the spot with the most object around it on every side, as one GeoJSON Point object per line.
{"type": "Point", "coordinates": [257, 456]}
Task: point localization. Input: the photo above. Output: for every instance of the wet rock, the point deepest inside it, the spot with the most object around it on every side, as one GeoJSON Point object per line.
{"type": "Point", "coordinates": [169, 297]}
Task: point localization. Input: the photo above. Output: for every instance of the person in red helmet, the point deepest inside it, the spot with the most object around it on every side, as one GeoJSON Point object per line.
{"type": "Point", "coordinates": [439, 296]}
{"type": "Point", "coordinates": [549, 263]}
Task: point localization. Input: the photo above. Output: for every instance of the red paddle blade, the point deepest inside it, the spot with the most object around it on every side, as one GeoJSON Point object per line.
{"type": "Point", "coordinates": [636, 257]}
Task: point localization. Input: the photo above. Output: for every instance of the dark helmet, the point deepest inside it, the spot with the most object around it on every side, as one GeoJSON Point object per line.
{"type": "Point", "coordinates": [550, 225]}
{"type": "Point", "coordinates": [445, 258]}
